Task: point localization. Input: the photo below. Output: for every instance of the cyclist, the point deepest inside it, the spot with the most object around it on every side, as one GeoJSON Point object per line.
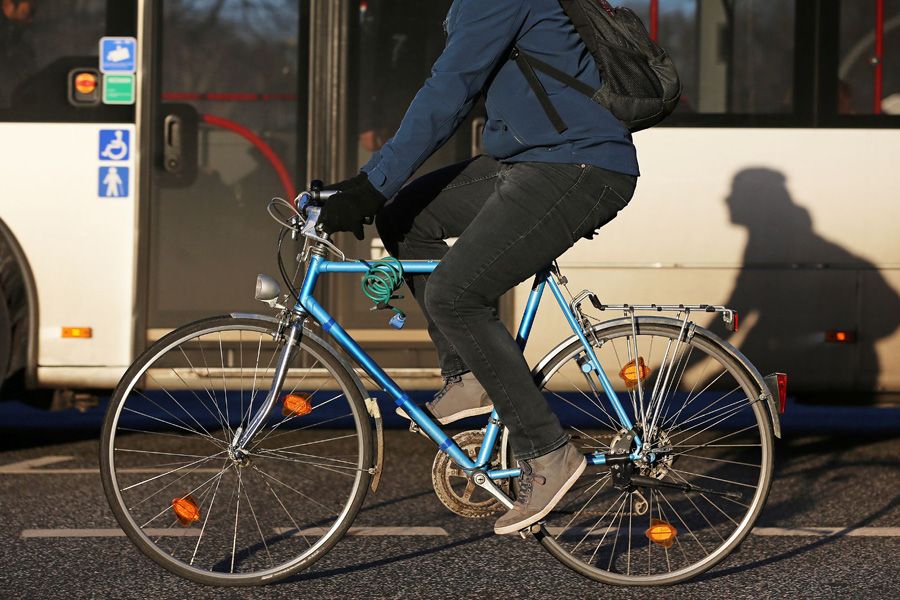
{"type": "Point", "coordinates": [514, 211]}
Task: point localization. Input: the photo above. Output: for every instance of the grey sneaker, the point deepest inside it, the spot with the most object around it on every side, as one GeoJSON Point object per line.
{"type": "Point", "coordinates": [543, 483]}
{"type": "Point", "coordinates": [462, 396]}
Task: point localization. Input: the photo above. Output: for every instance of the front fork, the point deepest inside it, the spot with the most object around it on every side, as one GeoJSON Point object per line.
{"type": "Point", "coordinates": [292, 334]}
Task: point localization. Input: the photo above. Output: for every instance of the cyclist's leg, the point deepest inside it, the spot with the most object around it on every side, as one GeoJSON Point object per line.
{"type": "Point", "coordinates": [427, 211]}
{"type": "Point", "coordinates": [535, 213]}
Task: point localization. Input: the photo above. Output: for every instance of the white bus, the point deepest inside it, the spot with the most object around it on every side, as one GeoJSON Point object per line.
{"type": "Point", "coordinates": [774, 187]}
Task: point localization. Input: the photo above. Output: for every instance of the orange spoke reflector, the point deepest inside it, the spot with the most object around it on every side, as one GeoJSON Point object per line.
{"type": "Point", "coordinates": [630, 372]}
{"type": "Point", "coordinates": [296, 405]}
{"type": "Point", "coordinates": [661, 533]}
{"type": "Point", "coordinates": [186, 510]}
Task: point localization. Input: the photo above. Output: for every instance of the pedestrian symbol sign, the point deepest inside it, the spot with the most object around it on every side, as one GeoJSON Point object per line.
{"type": "Point", "coordinates": [118, 54]}
{"type": "Point", "coordinates": [114, 144]}
{"type": "Point", "coordinates": [118, 89]}
{"type": "Point", "coordinates": [113, 182]}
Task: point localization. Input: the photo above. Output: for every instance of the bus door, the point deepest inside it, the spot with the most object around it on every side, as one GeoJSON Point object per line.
{"type": "Point", "coordinates": [226, 134]}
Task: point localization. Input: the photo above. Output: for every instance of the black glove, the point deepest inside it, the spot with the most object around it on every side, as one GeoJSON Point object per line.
{"type": "Point", "coordinates": [357, 202]}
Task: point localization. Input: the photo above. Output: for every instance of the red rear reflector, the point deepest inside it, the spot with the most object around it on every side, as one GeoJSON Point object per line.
{"type": "Point", "coordinates": [736, 321]}
{"type": "Point", "coordinates": [840, 336]}
{"type": "Point", "coordinates": [782, 391]}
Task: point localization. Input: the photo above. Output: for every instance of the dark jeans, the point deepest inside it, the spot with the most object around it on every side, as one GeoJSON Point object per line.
{"type": "Point", "coordinates": [512, 220]}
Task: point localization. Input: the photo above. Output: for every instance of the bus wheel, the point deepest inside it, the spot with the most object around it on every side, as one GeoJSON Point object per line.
{"type": "Point", "coordinates": [5, 338]}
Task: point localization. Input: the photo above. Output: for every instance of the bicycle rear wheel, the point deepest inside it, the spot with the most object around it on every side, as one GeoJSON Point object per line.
{"type": "Point", "coordinates": [185, 499]}
{"type": "Point", "coordinates": [695, 398]}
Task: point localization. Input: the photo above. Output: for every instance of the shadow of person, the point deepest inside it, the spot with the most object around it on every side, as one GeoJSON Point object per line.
{"type": "Point", "coordinates": [795, 285]}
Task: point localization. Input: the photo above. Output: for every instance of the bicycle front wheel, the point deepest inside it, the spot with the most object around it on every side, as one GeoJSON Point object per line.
{"type": "Point", "coordinates": [695, 403]}
{"type": "Point", "coordinates": [182, 495]}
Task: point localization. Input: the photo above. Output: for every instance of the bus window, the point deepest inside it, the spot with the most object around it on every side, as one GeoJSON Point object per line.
{"type": "Point", "coordinates": [869, 64]}
{"type": "Point", "coordinates": [41, 41]}
{"type": "Point", "coordinates": [733, 57]}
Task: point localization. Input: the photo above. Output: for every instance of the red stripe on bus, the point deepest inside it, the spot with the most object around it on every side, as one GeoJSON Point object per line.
{"type": "Point", "coordinates": [261, 145]}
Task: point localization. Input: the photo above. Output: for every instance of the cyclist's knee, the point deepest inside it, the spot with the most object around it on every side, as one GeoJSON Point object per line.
{"type": "Point", "coordinates": [440, 295]}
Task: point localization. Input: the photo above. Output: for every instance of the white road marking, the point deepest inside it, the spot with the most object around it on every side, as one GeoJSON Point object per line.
{"type": "Point", "coordinates": [828, 531]}
{"type": "Point", "coordinates": [370, 531]}
{"type": "Point", "coordinates": [95, 533]}
{"type": "Point", "coordinates": [317, 531]}
{"type": "Point", "coordinates": [29, 467]}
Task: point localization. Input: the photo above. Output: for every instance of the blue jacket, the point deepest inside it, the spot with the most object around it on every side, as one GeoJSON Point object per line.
{"type": "Point", "coordinates": [480, 36]}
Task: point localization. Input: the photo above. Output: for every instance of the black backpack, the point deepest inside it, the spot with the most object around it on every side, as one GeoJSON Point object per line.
{"type": "Point", "coordinates": [640, 85]}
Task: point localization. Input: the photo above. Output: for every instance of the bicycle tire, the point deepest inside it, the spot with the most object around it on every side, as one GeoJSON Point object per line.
{"type": "Point", "coordinates": [315, 348]}
{"type": "Point", "coordinates": [717, 349]}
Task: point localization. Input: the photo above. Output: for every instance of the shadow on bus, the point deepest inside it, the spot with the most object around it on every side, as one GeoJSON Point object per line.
{"type": "Point", "coordinates": [812, 308]}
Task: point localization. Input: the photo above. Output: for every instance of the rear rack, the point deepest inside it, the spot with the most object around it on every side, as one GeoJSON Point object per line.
{"type": "Point", "coordinates": [729, 315]}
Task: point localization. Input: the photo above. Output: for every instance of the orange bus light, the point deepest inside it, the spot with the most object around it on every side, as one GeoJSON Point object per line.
{"type": "Point", "coordinates": [77, 332]}
{"type": "Point", "coordinates": [840, 336]}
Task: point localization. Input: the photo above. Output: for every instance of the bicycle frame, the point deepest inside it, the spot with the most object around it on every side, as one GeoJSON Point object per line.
{"type": "Point", "coordinates": [308, 304]}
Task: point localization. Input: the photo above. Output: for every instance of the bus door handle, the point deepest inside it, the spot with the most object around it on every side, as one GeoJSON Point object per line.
{"type": "Point", "coordinates": [172, 143]}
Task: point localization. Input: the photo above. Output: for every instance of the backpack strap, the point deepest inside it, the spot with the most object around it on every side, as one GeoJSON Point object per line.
{"type": "Point", "coordinates": [527, 64]}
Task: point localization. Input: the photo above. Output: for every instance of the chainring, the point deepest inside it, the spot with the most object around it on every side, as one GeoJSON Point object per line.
{"type": "Point", "coordinates": [456, 490]}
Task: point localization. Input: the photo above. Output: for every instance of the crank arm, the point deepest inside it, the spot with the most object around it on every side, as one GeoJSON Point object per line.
{"type": "Point", "coordinates": [684, 487]}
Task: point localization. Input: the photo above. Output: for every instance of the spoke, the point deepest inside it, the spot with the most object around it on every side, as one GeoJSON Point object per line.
{"type": "Point", "coordinates": [221, 418]}
{"type": "Point", "coordinates": [601, 444]}
{"type": "Point", "coordinates": [340, 437]}
{"type": "Point", "coordinates": [212, 503]}
{"type": "Point", "coordinates": [181, 423]}
{"type": "Point", "coordinates": [169, 506]}
{"type": "Point", "coordinates": [722, 460]}
{"type": "Point", "coordinates": [217, 441]}
{"type": "Point", "coordinates": [253, 389]}
{"type": "Point", "coordinates": [689, 399]}
{"type": "Point", "coordinates": [691, 531]}
{"type": "Point", "coordinates": [286, 511]}
{"type": "Point", "coordinates": [291, 417]}
{"type": "Point", "coordinates": [605, 479]}
{"type": "Point", "coordinates": [237, 512]}
{"type": "Point", "coordinates": [258, 528]}
{"type": "Point", "coordinates": [605, 533]}
{"type": "Point", "coordinates": [697, 508]}
{"type": "Point", "coordinates": [296, 491]}
{"type": "Point", "coordinates": [174, 435]}
{"type": "Point", "coordinates": [708, 412]}
{"type": "Point", "coordinates": [589, 531]}
{"type": "Point", "coordinates": [226, 423]}
{"type": "Point", "coordinates": [595, 417]}
{"type": "Point", "coordinates": [190, 464]}
{"type": "Point", "coordinates": [683, 472]}
{"type": "Point", "coordinates": [224, 383]}
{"type": "Point", "coordinates": [725, 418]}
{"type": "Point", "coordinates": [325, 467]}
{"type": "Point", "coordinates": [161, 453]}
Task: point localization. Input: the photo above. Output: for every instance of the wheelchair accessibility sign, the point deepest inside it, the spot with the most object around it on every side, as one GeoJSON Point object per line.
{"type": "Point", "coordinates": [114, 144]}
{"type": "Point", "coordinates": [113, 182]}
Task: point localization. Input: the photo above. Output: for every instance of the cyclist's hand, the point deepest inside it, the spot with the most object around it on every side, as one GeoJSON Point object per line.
{"type": "Point", "coordinates": [357, 202]}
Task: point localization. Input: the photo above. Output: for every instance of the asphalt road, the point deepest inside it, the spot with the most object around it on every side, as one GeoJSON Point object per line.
{"type": "Point", "coordinates": [831, 529]}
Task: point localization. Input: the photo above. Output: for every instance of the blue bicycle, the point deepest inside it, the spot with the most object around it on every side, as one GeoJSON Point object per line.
{"type": "Point", "coordinates": [238, 450]}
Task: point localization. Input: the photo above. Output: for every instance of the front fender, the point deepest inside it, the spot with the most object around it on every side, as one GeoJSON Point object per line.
{"type": "Point", "coordinates": [752, 371]}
